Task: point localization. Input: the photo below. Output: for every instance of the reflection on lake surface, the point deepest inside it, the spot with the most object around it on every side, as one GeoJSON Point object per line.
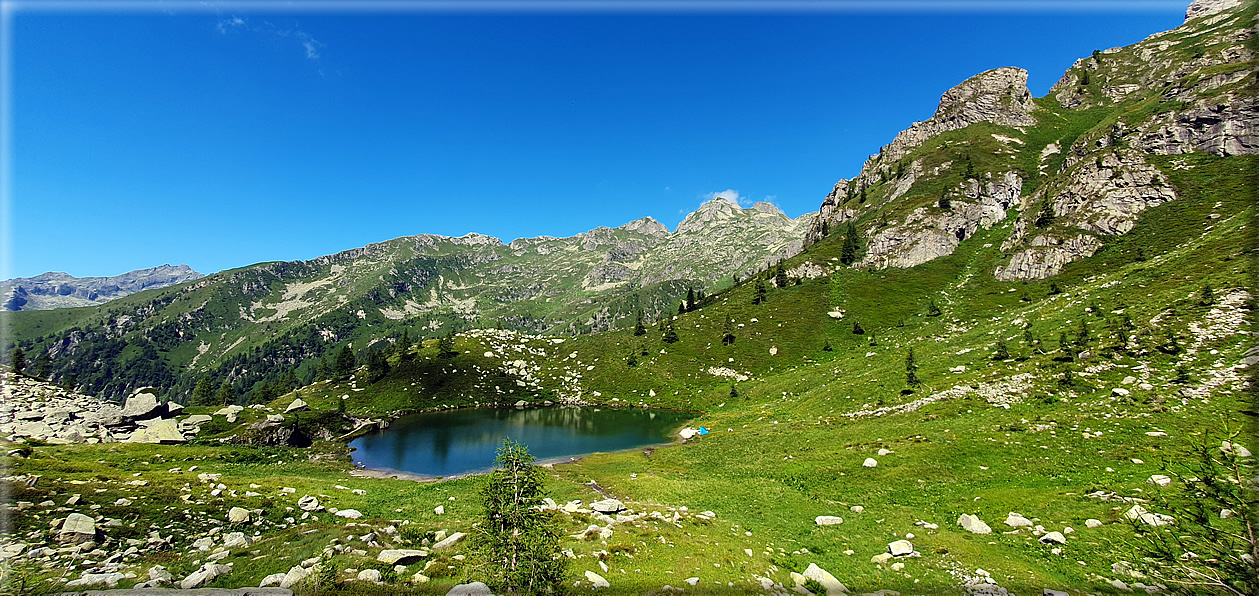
{"type": "Point", "coordinates": [461, 441]}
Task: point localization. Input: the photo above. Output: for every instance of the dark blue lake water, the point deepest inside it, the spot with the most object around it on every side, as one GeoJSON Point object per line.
{"type": "Point", "coordinates": [463, 441]}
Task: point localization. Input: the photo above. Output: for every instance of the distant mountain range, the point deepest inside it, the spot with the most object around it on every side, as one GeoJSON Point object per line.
{"type": "Point", "coordinates": [61, 290]}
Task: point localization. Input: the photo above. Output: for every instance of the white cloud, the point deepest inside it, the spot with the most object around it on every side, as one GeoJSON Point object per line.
{"type": "Point", "coordinates": [233, 23]}
{"type": "Point", "coordinates": [308, 43]}
{"type": "Point", "coordinates": [733, 196]}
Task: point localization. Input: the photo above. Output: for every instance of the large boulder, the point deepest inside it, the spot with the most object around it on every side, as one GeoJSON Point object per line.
{"type": "Point", "coordinates": [900, 548]}
{"type": "Point", "coordinates": [297, 406]}
{"type": "Point", "coordinates": [597, 580]}
{"type": "Point", "coordinates": [208, 572]}
{"type": "Point", "coordinates": [472, 589]}
{"type": "Point", "coordinates": [400, 556]}
{"type": "Point", "coordinates": [608, 506]}
{"type": "Point", "coordinates": [163, 431]}
{"type": "Point", "coordinates": [449, 541]}
{"type": "Point", "coordinates": [238, 515]}
{"type": "Point", "coordinates": [77, 528]}
{"type": "Point", "coordinates": [142, 404]}
{"type": "Point", "coordinates": [828, 581]}
{"type": "Point", "coordinates": [308, 503]}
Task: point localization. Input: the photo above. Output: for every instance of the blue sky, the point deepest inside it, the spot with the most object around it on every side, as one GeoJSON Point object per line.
{"type": "Point", "coordinates": [225, 137]}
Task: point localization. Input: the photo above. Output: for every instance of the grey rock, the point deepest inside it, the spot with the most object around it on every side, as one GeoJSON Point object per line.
{"type": "Point", "coordinates": [449, 541]}
{"type": "Point", "coordinates": [1015, 520]}
{"type": "Point", "coordinates": [470, 589]}
{"type": "Point", "coordinates": [900, 548]}
{"type": "Point", "coordinates": [238, 515]}
{"type": "Point", "coordinates": [828, 581]}
{"type": "Point", "coordinates": [369, 575]}
{"type": "Point", "coordinates": [296, 574]}
{"type": "Point", "coordinates": [400, 556]}
{"type": "Point", "coordinates": [296, 406]}
{"type": "Point", "coordinates": [95, 579]}
{"type": "Point", "coordinates": [973, 524]}
{"type": "Point", "coordinates": [308, 503]}
{"type": "Point", "coordinates": [77, 528]}
{"type": "Point", "coordinates": [1053, 538]}
{"type": "Point", "coordinates": [206, 573]}
{"type": "Point", "coordinates": [828, 520]}
{"type": "Point", "coordinates": [142, 404]}
{"type": "Point", "coordinates": [608, 506]}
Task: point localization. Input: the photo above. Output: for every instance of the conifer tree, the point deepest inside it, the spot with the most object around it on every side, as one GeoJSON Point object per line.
{"type": "Point", "coordinates": [780, 276]}
{"type": "Point", "coordinates": [446, 345]}
{"type": "Point", "coordinates": [203, 393]}
{"type": "Point", "coordinates": [857, 329]}
{"type": "Point", "coordinates": [670, 336]}
{"type": "Point", "coordinates": [226, 395]}
{"type": "Point", "coordinates": [690, 300]}
{"type": "Point", "coordinates": [639, 329]}
{"type": "Point", "coordinates": [848, 253]}
{"type": "Point", "coordinates": [345, 361]}
{"type": "Point", "coordinates": [1002, 352]}
{"type": "Point", "coordinates": [933, 309]}
{"type": "Point", "coordinates": [760, 292]}
{"type": "Point", "coordinates": [911, 370]}
{"type": "Point", "coordinates": [18, 360]}
{"type": "Point", "coordinates": [945, 203]}
{"type": "Point", "coordinates": [727, 334]}
{"type": "Point", "coordinates": [43, 366]}
{"type": "Point", "coordinates": [517, 541]}
{"type": "Point", "coordinates": [1046, 216]}
{"type": "Point", "coordinates": [1208, 296]}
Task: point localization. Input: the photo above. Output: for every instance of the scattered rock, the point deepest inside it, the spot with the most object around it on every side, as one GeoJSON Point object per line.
{"type": "Point", "coordinates": [349, 513]}
{"type": "Point", "coordinates": [900, 548]}
{"type": "Point", "coordinates": [296, 574]}
{"type": "Point", "coordinates": [1092, 523]}
{"type": "Point", "coordinates": [870, 463]}
{"type": "Point", "coordinates": [1227, 447]}
{"type": "Point", "coordinates": [449, 541]}
{"type": "Point", "coordinates": [608, 506]}
{"type": "Point", "coordinates": [828, 520]}
{"type": "Point", "coordinates": [1016, 520]}
{"type": "Point", "coordinates": [472, 589]}
{"type": "Point", "coordinates": [208, 572]}
{"type": "Point", "coordinates": [400, 556]}
{"type": "Point", "coordinates": [370, 575]}
{"type": "Point", "coordinates": [595, 579]}
{"type": "Point", "coordinates": [1053, 538]}
{"type": "Point", "coordinates": [308, 503]}
{"type": "Point", "coordinates": [142, 404]}
{"type": "Point", "coordinates": [1160, 480]}
{"type": "Point", "coordinates": [297, 406]}
{"type": "Point", "coordinates": [828, 581]}
{"type": "Point", "coordinates": [77, 529]}
{"type": "Point", "coordinates": [973, 524]}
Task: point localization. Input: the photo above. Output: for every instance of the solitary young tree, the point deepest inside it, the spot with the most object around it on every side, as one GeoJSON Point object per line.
{"type": "Point", "coordinates": [670, 336]}
{"type": "Point", "coordinates": [851, 248]}
{"type": "Point", "coordinates": [18, 360]}
{"type": "Point", "coordinates": [911, 370]}
{"type": "Point", "coordinates": [345, 361]}
{"type": "Point", "coordinates": [1208, 296]}
{"type": "Point", "coordinates": [226, 394]}
{"type": "Point", "coordinates": [690, 300]}
{"type": "Point", "coordinates": [446, 345]}
{"type": "Point", "coordinates": [203, 393]}
{"type": "Point", "coordinates": [639, 329]}
{"type": "Point", "coordinates": [780, 276]}
{"type": "Point", "coordinates": [517, 543]}
{"type": "Point", "coordinates": [945, 203]}
{"type": "Point", "coordinates": [727, 332]}
{"type": "Point", "coordinates": [760, 292]}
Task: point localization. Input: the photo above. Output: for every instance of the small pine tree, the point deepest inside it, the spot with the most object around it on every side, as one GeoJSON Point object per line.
{"type": "Point", "coordinates": [639, 329]}
{"type": "Point", "coordinates": [1064, 344]}
{"type": "Point", "coordinates": [1045, 217]}
{"type": "Point", "coordinates": [862, 199]}
{"type": "Point", "coordinates": [670, 336]}
{"type": "Point", "coordinates": [517, 543]}
{"type": "Point", "coordinates": [857, 329]}
{"type": "Point", "coordinates": [226, 395]}
{"type": "Point", "coordinates": [203, 393]}
{"type": "Point", "coordinates": [446, 345]}
{"type": "Point", "coordinates": [682, 307]}
{"type": "Point", "coordinates": [43, 366]}
{"type": "Point", "coordinates": [1067, 379]}
{"type": "Point", "coordinates": [945, 203]}
{"type": "Point", "coordinates": [1053, 288]}
{"type": "Point", "coordinates": [933, 309]}
{"type": "Point", "coordinates": [780, 276]}
{"type": "Point", "coordinates": [760, 293]}
{"type": "Point", "coordinates": [826, 347]}
{"type": "Point", "coordinates": [690, 300]}
{"type": "Point", "coordinates": [851, 248]}
{"type": "Point", "coordinates": [970, 168]}
{"type": "Point", "coordinates": [911, 370]}
{"type": "Point", "coordinates": [1171, 344]}
{"type": "Point", "coordinates": [1028, 338]}
{"type": "Point", "coordinates": [1002, 352]}
{"type": "Point", "coordinates": [1083, 336]}
{"type": "Point", "coordinates": [632, 361]}
{"type": "Point", "coordinates": [345, 362]}
{"type": "Point", "coordinates": [727, 335]}
{"type": "Point", "coordinates": [1084, 78]}
{"type": "Point", "coordinates": [1140, 258]}
{"type": "Point", "coordinates": [18, 360]}
{"type": "Point", "coordinates": [1208, 296]}
{"type": "Point", "coordinates": [826, 231]}
{"type": "Point", "coordinates": [734, 393]}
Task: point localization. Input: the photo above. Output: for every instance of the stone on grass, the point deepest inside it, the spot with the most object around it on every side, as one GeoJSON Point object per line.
{"type": "Point", "coordinates": [608, 506]}
{"type": "Point", "coordinates": [238, 515]}
{"type": "Point", "coordinates": [296, 574]}
{"type": "Point", "coordinates": [349, 513]}
{"type": "Point", "coordinates": [1092, 523]}
{"type": "Point", "coordinates": [77, 528]}
{"type": "Point", "coordinates": [828, 581]}
{"type": "Point", "coordinates": [308, 503]}
{"type": "Point", "coordinates": [973, 524]}
{"type": "Point", "coordinates": [870, 463]}
{"type": "Point", "coordinates": [96, 579]}
{"type": "Point", "coordinates": [1015, 520]}
{"type": "Point", "coordinates": [449, 541]}
{"type": "Point", "coordinates": [472, 589]}
{"type": "Point", "coordinates": [881, 558]}
{"type": "Point", "coordinates": [370, 575]}
{"type": "Point", "coordinates": [401, 556]}
{"type": "Point", "coordinates": [1053, 538]}
{"type": "Point", "coordinates": [1150, 519]}
{"type": "Point", "coordinates": [828, 520]}
{"type": "Point", "coordinates": [271, 580]}
{"type": "Point", "coordinates": [1233, 448]}
{"type": "Point", "coordinates": [439, 510]}
{"type": "Point", "coordinates": [162, 431]}
{"type": "Point", "coordinates": [1160, 480]}
{"type": "Point", "coordinates": [297, 406]}
{"type": "Point", "coordinates": [900, 548]}
{"type": "Point", "coordinates": [208, 572]}
{"type": "Point", "coordinates": [596, 580]}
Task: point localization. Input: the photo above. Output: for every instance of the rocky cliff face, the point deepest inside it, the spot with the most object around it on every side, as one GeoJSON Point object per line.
{"type": "Point", "coordinates": [1188, 90]}
{"type": "Point", "coordinates": [60, 290]}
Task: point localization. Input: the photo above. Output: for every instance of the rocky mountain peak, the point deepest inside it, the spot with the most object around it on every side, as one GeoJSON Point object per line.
{"type": "Point", "coordinates": [999, 96]}
{"type": "Point", "coordinates": [646, 225]}
{"type": "Point", "coordinates": [62, 290]}
{"type": "Point", "coordinates": [1202, 8]}
{"type": "Point", "coordinates": [767, 208]}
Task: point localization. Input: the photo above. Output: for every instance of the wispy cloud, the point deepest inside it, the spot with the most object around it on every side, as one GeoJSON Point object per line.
{"type": "Point", "coordinates": [306, 41]}
{"type": "Point", "coordinates": [729, 194]}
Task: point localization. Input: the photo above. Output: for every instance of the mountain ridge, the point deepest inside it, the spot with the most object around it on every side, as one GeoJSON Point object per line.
{"type": "Point", "coordinates": [61, 290]}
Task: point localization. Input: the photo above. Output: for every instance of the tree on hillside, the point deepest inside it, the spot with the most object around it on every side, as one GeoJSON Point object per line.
{"type": "Point", "coordinates": [1001, 352]}
{"type": "Point", "coordinates": [226, 395]}
{"type": "Point", "coordinates": [639, 329]}
{"type": "Point", "coordinates": [43, 366]}
{"type": "Point", "coordinates": [857, 329]}
{"type": "Point", "coordinates": [850, 251]}
{"type": "Point", "coordinates": [377, 366]}
{"type": "Point", "coordinates": [933, 309]}
{"type": "Point", "coordinates": [670, 336]}
{"type": "Point", "coordinates": [970, 167]}
{"type": "Point", "coordinates": [945, 203]}
{"type": "Point", "coordinates": [203, 393]}
{"type": "Point", "coordinates": [1046, 216]}
{"type": "Point", "coordinates": [690, 300]}
{"type": "Point", "coordinates": [18, 360]}
{"type": "Point", "coordinates": [446, 345]}
{"type": "Point", "coordinates": [322, 369]}
{"type": "Point", "coordinates": [517, 543]}
{"type": "Point", "coordinates": [727, 332]}
{"type": "Point", "coordinates": [911, 370]}
{"type": "Point", "coordinates": [1208, 296]}
{"type": "Point", "coordinates": [345, 362]}
{"type": "Point", "coordinates": [780, 276]}
{"type": "Point", "coordinates": [759, 293]}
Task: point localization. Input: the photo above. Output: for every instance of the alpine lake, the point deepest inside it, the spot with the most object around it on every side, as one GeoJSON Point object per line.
{"type": "Point", "coordinates": [466, 441]}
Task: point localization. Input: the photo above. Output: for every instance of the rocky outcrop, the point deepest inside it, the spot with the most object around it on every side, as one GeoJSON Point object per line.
{"type": "Point", "coordinates": [1219, 125]}
{"type": "Point", "coordinates": [930, 232]}
{"type": "Point", "coordinates": [61, 290]}
{"type": "Point", "coordinates": [1047, 259]}
{"type": "Point", "coordinates": [999, 96]}
{"type": "Point", "coordinates": [1202, 8]}
{"type": "Point", "coordinates": [33, 409]}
